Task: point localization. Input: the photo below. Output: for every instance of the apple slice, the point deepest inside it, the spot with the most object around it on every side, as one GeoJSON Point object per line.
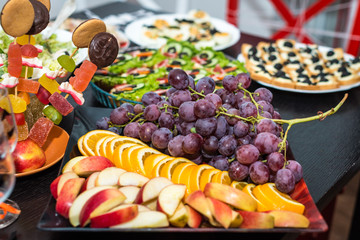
{"type": "Point", "coordinates": [130, 193]}
{"type": "Point", "coordinates": [68, 166]}
{"type": "Point", "coordinates": [90, 181]}
{"type": "Point", "coordinates": [149, 219]}
{"type": "Point", "coordinates": [197, 201]}
{"type": "Point", "coordinates": [194, 218]}
{"type": "Point", "coordinates": [132, 179]}
{"type": "Point", "coordinates": [78, 204]}
{"type": "Point", "coordinates": [68, 194]}
{"type": "Point", "coordinates": [236, 220]}
{"type": "Point", "coordinates": [114, 217]}
{"type": "Point", "coordinates": [232, 196]}
{"type": "Point", "coordinates": [64, 177]}
{"type": "Point", "coordinates": [151, 204]}
{"type": "Point", "coordinates": [54, 186]}
{"type": "Point", "coordinates": [88, 165]}
{"type": "Point", "coordinates": [221, 212]}
{"type": "Point", "coordinates": [151, 189]}
{"type": "Point", "coordinates": [180, 217]}
{"type": "Point", "coordinates": [140, 208]}
{"type": "Point", "coordinates": [170, 198]}
{"type": "Point", "coordinates": [100, 203]}
{"type": "Point", "coordinates": [109, 176]}
{"type": "Point", "coordinates": [260, 220]}
{"type": "Point", "coordinates": [284, 218]}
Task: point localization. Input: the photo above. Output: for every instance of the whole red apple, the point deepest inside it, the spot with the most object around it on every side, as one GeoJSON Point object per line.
{"type": "Point", "coordinates": [28, 156]}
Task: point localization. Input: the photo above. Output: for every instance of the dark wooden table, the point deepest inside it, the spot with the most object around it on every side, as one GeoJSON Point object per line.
{"type": "Point", "coordinates": [329, 152]}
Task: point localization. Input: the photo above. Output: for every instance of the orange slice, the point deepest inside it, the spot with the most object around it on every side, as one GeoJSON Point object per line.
{"type": "Point", "coordinates": [117, 156]}
{"type": "Point", "coordinates": [80, 146]}
{"type": "Point", "coordinates": [137, 158]}
{"type": "Point", "coordinates": [98, 145]}
{"type": "Point", "coordinates": [282, 200]}
{"type": "Point", "coordinates": [151, 161]}
{"type": "Point", "coordinates": [267, 203]}
{"type": "Point", "coordinates": [206, 177]}
{"type": "Point", "coordinates": [110, 146]}
{"type": "Point", "coordinates": [91, 138]}
{"type": "Point", "coordinates": [125, 156]}
{"type": "Point", "coordinates": [195, 175]}
{"type": "Point", "coordinates": [238, 185]}
{"type": "Point", "coordinates": [179, 170]}
{"type": "Point", "coordinates": [221, 177]}
{"type": "Point", "coordinates": [102, 147]}
{"type": "Point", "coordinates": [155, 172]}
{"type": "Point", "coordinates": [248, 189]}
{"type": "Point", "coordinates": [168, 168]}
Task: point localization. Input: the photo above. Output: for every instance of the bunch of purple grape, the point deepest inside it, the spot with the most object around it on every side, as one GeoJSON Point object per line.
{"type": "Point", "coordinates": [229, 128]}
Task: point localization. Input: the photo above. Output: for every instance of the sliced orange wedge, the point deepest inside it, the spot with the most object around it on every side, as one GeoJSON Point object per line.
{"type": "Point", "coordinates": [195, 175]}
{"type": "Point", "coordinates": [137, 158]}
{"type": "Point", "coordinates": [151, 161]}
{"type": "Point", "coordinates": [238, 185]}
{"type": "Point", "coordinates": [80, 146]}
{"type": "Point", "coordinates": [110, 146]}
{"type": "Point", "coordinates": [126, 159]}
{"type": "Point", "coordinates": [206, 177]}
{"type": "Point", "coordinates": [117, 156]}
{"type": "Point", "coordinates": [103, 144]}
{"type": "Point", "coordinates": [266, 202]}
{"type": "Point", "coordinates": [168, 168]}
{"type": "Point", "coordinates": [221, 177]}
{"type": "Point", "coordinates": [283, 201]}
{"type": "Point", "coordinates": [98, 144]}
{"type": "Point", "coordinates": [179, 170]}
{"type": "Point", "coordinates": [248, 189]}
{"type": "Point", "coordinates": [155, 172]}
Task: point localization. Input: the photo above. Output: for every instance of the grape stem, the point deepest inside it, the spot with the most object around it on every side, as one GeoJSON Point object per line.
{"type": "Point", "coordinates": [132, 120]}
{"type": "Point", "coordinates": [195, 92]}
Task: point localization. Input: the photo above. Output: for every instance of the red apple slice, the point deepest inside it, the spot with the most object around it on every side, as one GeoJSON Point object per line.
{"type": "Point", "coordinates": [260, 220]}
{"type": "Point", "coordinates": [78, 204]}
{"type": "Point", "coordinates": [151, 189]}
{"type": "Point", "coordinates": [109, 176]}
{"type": "Point", "coordinates": [284, 218]}
{"type": "Point", "coordinates": [64, 177]}
{"type": "Point", "coordinates": [130, 192]}
{"type": "Point", "coordinates": [88, 165]}
{"type": "Point", "coordinates": [132, 179]}
{"type": "Point", "coordinates": [68, 166]}
{"type": "Point", "coordinates": [100, 203]}
{"type": "Point", "coordinates": [68, 194]}
{"type": "Point", "coordinates": [170, 198]}
{"type": "Point", "coordinates": [90, 181]}
{"type": "Point", "coordinates": [114, 217]}
{"type": "Point", "coordinates": [53, 187]}
{"type": "Point", "coordinates": [149, 219]}
{"type": "Point", "coordinates": [180, 217]}
{"type": "Point", "coordinates": [194, 218]}
{"type": "Point", "coordinates": [221, 212]}
{"type": "Point", "coordinates": [197, 201]}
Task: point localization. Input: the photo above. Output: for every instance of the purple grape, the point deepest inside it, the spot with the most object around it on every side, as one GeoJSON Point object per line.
{"type": "Point", "coordinates": [240, 98]}
{"type": "Point", "coordinates": [195, 158]}
{"type": "Point", "coordinates": [114, 129]}
{"type": "Point", "coordinates": [204, 109]}
{"type": "Point", "coordinates": [132, 130]}
{"type": "Point", "coordinates": [230, 130]}
{"type": "Point", "coordinates": [138, 108]}
{"type": "Point", "coordinates": [238, 171]}
{"type": "Point", "coordinates": [186, 127]}
{"type": "Point", "coordinates": [205, 85]}
{"type": "Point", "coordinates": [263, 94]}
{"type": "Point", "coordinates": [244, 140]}
{"type": "Point", "coordinates": [276, 115]}
{"type": "Point", "coordinates": [161, 106]}
{"type": "Point", "coordinates": [227, 145]}
{"type": "Point", "coordinates": [221, 127]}
{"type": "Point", "coordinates": [166, 120]}
{"type": "Point", "coordinates": [230, 83]}
{"type": "Point", "coordinates": [175, 146]}
{"type": "Point", "coordinates": [207, 156]}
{"type": "Point", "coordinates": [215, 99]}
{"type": "Point", "coordinates": [266, 142]}
{"type": "Point", "coordinates": [295, 168]}
{"type": "Point", "coordinates": [128, 106]}
{"type": "Point", "coordinates": [285, 180]}
{"type": "Point", "coordinates": [206, 126]}
{"type": "Point", "coordinates": [150, 98]}
{"type": "Point", "coordinates": [267, 125]}
{"type": "Point", "coordinates": [259, 172]}
{"type": "Point", "coordinates": [152, 112]}
{"type": "Point", "coordinates": [170, 91]}
{"type": "Point", "coordinates": [103, 123]}
{"type": "Point", "coordinates": [220, 92]}
{"type": "Point", "coordinates": [146, 131]}
{"type": "Point", "coordinates": [191, 82]}
{"type": "Point", "coordinates": [232, 120]}
{"type": "Point", "coordinates": [275, 161]}
{"type": "Point", "coordinates": [192, 143]}
{"type": "Point", "coordinates": [266, 106]}
{"type": "Point", "coordinates": [226, 106]}
{"type": "Point", "coordinates": [247, 154]}
{"type": "Point", "coordinates": [229, 98]}
{"type": "Point", "coordinates": [161, 138]}
{"type": "Point", "coordinates": [186, 111]}
{"type": "Point", "coordinates": [211, 144]}
{"type": "Point", "coordinates": [244, 79]}
{"type": "Point", "coordinates": [178, 79]}
{"type": "Point", "coordinates": [220, 162]}
{"type": "Point", "coordinates": [119, 116]}
{"type": "Point", "coordinates": [241, 129]}
{"type": "Point", "coordinates": [179, 96]}
{"type": "Point", "coordinates": [248, 109]}
{"type": "Point", "coordinates": [266, 114]}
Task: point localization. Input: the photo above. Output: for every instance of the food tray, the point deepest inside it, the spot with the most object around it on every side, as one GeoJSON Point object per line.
{"type": "Point", "coordinates": [85, 120]}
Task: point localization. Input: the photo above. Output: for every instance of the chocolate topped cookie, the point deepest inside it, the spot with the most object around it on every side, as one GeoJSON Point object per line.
{"type": "Point", "coordinates": [41, 19]}
{"type": "Point", "coordinates": [103, 49]}
{"type": "Point", "coordinates": [17, 17]}
{"type": "Point", "coordinates": [86, 31]}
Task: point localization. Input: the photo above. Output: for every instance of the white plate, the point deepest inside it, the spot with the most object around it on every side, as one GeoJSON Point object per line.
{"type": "Point", "coordinates": [347, 57]}
{"type": "Point", "coordinates": [134, 30]}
